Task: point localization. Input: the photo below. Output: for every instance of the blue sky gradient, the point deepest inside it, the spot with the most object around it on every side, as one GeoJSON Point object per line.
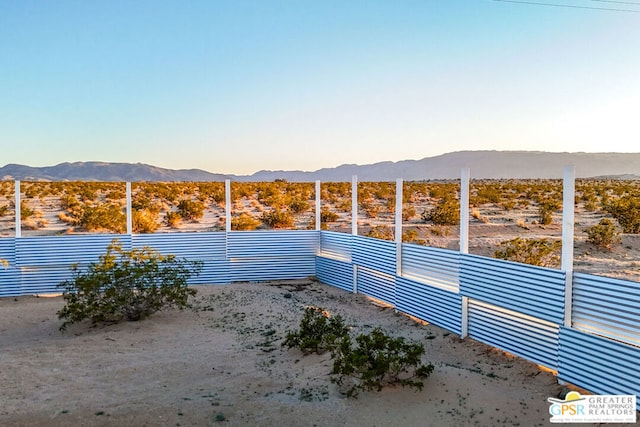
{"type": "Point", "coordinates": [239, 86]}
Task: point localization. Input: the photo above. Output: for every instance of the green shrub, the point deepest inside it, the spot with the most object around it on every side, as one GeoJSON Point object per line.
{"type": "Point", "coordinates": [144, 221]}
{"type": "Point", "coordinates": [378, 360]}
{"type": "Point", "coordinates": [25, 210]}
{"type": "Point", "coordinates": [191, 210]}
{"type": "Point", "coordinates": [540, 252]}
{"type": "Point", "coordinates": [4, 209]}
{"type": "Point", "coordinates": [411, 236]}
{"type": "Point", "coordinates": [127, 285]}
{"type": "Point", "coordinates": [381, 232]}
{"type": "Point", "coordinates": [172, 219]}
{"type": "Point", "coordinates": [327, 216]}
{"type": "Point", "coordinates": [604, 235]}
{"type": "Point", "coordinates": [104, 217]}
{"type": "Point", "coordinates": [244, 222]}
{"type": "Point", "coordinates": [626, 210]}
{"type": "Point", "coordinates": [277, 218]}
{"type": "Point", "coordinates": [546, 208]}
{"type": "Point", "coordinates": [446, 212]}
{"type": "Point", "coordinates": [318, 332]}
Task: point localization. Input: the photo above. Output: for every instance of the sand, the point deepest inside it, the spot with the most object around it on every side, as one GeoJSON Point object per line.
{"type": "Point", "coordinates": [222, 363]}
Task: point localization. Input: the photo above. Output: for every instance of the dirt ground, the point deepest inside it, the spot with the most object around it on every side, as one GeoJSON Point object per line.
{"type": "Point", "coordinates": [222, 363]}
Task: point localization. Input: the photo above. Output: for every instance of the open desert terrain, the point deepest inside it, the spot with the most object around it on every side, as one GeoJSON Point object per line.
{"type": "Point", "coordinates": [222, 363]}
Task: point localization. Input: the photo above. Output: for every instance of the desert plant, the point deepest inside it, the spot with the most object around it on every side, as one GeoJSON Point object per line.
{"type": "Point", "coordinates": [103, 217]}
{"type": "Point", "coordinates": [244, 222]}
{"type": "Point", "coordinates": [277, 218]}
{"type": "Point", "coordinates": [327, 216]}
{"type": "Point", "coordinates": [127, 285]}
{"type": "Point", "coordinates": [25, 211]}
{"type": "Point", "coordinates": [318, 332]}
{"type": "Point", "coordinates": [626, 210]}
{"type": "Point", "coordinates": [144, 221]}
{"type": "Point", "coordinates": [190, 209]}
{"type": "Point", "coordinates": [546, 208]}
{"type": "Point", "coordinates": [172, 219]}
{"type": "Point", "coordinates": [411, 236]}
{"type": "Point", "coordinates": [4, 209]}
{"type": "Point", "coordinates": [446, 212]}
{"type": "Point", "coordinates": [540, 252]}
{"type": "Point", "coordinates": [604, 235]}
{"type": "Point", "coordinates": [378, 360]}
{"type": "Point", "coordinates": [381, 232]}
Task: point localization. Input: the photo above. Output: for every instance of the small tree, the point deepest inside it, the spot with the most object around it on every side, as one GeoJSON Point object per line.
{"type": "Point", "coordinates": [127, 285]}
{"type": "Point", "coordinates": [604, 235]}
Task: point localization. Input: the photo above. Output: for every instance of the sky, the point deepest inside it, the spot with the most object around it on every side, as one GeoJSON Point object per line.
{"type": "Point", "coordinates": [240, 86]}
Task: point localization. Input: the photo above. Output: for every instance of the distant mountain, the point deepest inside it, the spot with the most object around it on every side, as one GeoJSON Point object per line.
{"type": "Point", "coordinates": [483, 164]}
{"type": "Point", "coordinates": [103, 171]}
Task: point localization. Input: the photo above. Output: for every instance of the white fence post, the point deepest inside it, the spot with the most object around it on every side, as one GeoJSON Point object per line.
{"type": "Point", "coordinates": [464, 242]}
{"type": "Point", "coordinates": [129, 211]}
{"type": "Point", "coordinates": [318, 211]}
{"type": "Point", "coordinates": [568, 201]}
{"type": "Point", "coordinates": [398, 233]}
{"type": "Point", "coordinates": [227, 196]}
{"type": "Point", "coordinates": [354, 224]}
{"type": "Point", "coordinates": [17, 202]}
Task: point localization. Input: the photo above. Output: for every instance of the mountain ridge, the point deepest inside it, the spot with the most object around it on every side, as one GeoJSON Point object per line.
{"type": "Point", "coordinates": [483, 165]}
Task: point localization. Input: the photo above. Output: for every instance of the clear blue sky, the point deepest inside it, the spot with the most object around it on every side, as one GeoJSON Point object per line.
{"type": "Point", "coordinates": [237, 86]}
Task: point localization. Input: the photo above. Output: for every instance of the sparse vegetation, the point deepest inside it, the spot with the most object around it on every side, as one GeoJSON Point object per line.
{"type": "Point", "coordinates": [318, 332]}
{"type": "Point", "coordinates": [540, 252]}
{"type": "Point", "coordinates": [605, 235]}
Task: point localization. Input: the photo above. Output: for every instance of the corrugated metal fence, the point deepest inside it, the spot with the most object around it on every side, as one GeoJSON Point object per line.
{"type": "Point", "coordinates": [515, 307]}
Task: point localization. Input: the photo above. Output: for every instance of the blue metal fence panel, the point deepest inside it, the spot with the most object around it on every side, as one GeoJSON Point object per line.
{"type": "Point", "coordinates": [192, 246]}
{"type": "Point", "coordinates": [263, 269]}
{"type": "Point", "coordinates": [8, 250]}
{"type": "Point", "coordinates": [259, 244]}
{"type": "Point", "coordinates": [431, 304]}
{"type": "Point", "coordinates": [214, 272]}
{"type": "Point", "coordinates": [64, 250]}
{"type": "Point", "coordinates": [336, 245]}
{"type": "Point", "coordinates": [536, 291]}
{"type": "Point", "coordinates": [377, 285]}
{"type": "Point", "coordinates": [525, 336]}
{"type": "Point", "coordinates": [43, 279]}
{"type": "Point", "coordinates": [335, 273]}
{"type": "Point", "coordinates": [374, 254]}
{"type": "Point", "coordinates": [607, 306]}
{"type": "Point", "coordinates": [9, 281]}
{"type": "Point", "coordinates": [433, 266]}
{"type": "Point", "coordinates": [598, 364]}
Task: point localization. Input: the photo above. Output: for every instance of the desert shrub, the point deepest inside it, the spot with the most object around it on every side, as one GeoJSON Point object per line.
{"type": "Point", "coordinates": [103, 217]}
{"type": "Point", "coordinates": [127, 285]}
{"type": "Point", "coordinates": [604, 235]}
{"type": "Point", "coordinates": [318, 332]}
{"type": "Point", "coordinates": [411, 236]}
{"type": "Point", "coordinates": [327, 216]}
{"type": "Point", "coordinates": [25, 211]}
{"type": "Point", "coordinates": [4, 209]}
{"type": "Point", "coordinates": [144, 221]}
{"type": "Point", "coordinates": [626, 210]}
{"type": "Point", "coordinates": [446, 212]}
{"type": "Point", "coordinates": [540, 252]}
{"type": "Point", "coordinates": [172, 219]}
{"type": "Point", "coordinates": [408, 212]}
{"type": "Point", "coordinates": [190, 210]}
{"type": "Point", "coordinates": [546, 208]}
{"type": "Point", "coordinates": [244, 222]}
{"type": "Point", "coordinates": [381, 232]}
{"type": "Point", "coordinates": [378, 360]}
{"type": "Point", "coordinates": [277, 218]}
{"type": "Point", "coordinates": [298, 205]}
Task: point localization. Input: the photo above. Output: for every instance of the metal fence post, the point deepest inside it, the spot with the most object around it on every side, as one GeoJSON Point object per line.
{"type": "Point", "coordinates": [17, 209]}
{"type": "Point", "coordinates": [318, 211]}
{"type": "Point", "coordinates": [568, 208]}
{"type": "Point", "coordinates": [464, 242]}
{"type": "Point", "coordinates": [227, 196]}
{"type": "Point", "coordinates": [354, 224]}
{"type": "Point", "coordinates": [398, 232]}
{"type": "Point", "coordinates": [129, 211]}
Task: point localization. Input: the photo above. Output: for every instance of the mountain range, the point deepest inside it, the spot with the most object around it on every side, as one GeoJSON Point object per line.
{"type": "Point", "coordinates": [482, 164]}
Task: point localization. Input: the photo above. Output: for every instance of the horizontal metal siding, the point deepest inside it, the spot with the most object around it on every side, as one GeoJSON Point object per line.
{"type": "Point", "coordinates": [64, 250]}
{"type": "Point", "coordinates": [43, 280]}
{"type": "Point", "coordinates": [433, 266]}
{"type": "Point", "coordinates": [530, 338]}
{"type": "Point", "coordinates": [261, 244]}
{"type": "Point", "coordinates": [9, 282]}
{"type": "Point", "coordinates": [377, 285]}
{"type": "Point", "coordinates": [262, 269]}
{"type": "Point", "coordinates": [335, 273]}
{"type": "Point", "coordinates": [192, 246]}
{"type": "Point", "coordinates": [536, 291]}
{"type": "Point", "coordinates": [431, 304]}
{"type": "Point", "coordinates": [598, 364]}
{"type": "Point", "coordinates": [607, 306]}
{"type": "Point", "coordinates": [336, 245]}
{"type": "Point", "coordinates": [374, 254]}
{"type": "Point", "coordinates": [216, 272]}
{"type": "Point", "coordinates": [8, 250]}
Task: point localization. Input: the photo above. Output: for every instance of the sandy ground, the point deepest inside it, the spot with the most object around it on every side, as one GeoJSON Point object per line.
{"type": "Point", "coordinates": [222, 363]}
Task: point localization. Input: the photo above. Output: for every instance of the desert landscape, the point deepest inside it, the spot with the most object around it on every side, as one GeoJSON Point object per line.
{"type": "Point", "coordinates": [221, 362]}
{"type": "Point", "coordinates": [501, 210]}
